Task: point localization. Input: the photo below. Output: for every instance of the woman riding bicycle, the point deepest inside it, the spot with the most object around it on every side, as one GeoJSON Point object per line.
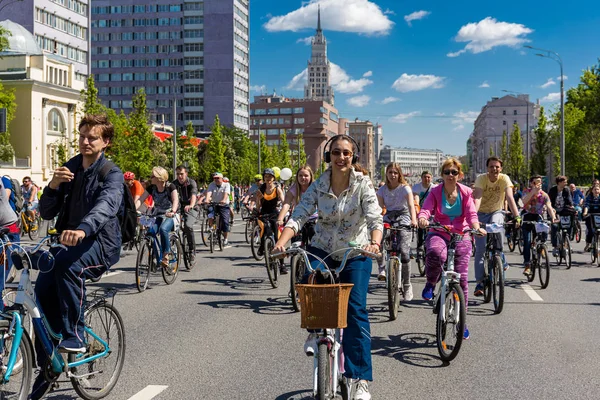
{"type": "Point", "coordinates": [397, 198]}
{"type": "Point", "coordinates": [452, 204]}
{"type": "Point", "coordinates": [166, 200]}
{"type": "Point", "coordinates": [348, 212]}
{"type": "Point", "coordinates": [268, 197]}
{"type": "Point", "coordinates": [304, 178]}
{"type": "Point", "coordinates": [591, 206]}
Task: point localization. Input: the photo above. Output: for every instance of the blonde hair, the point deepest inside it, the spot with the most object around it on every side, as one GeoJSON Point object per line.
{"type": "Point", "coordinates": [395, 166]}
{"type": "Point", "coordinates": [160, 173]}
{"type": "Point", "coordinates": [452, 162]}
{"type": "Point", "coordinates": [312, 178]}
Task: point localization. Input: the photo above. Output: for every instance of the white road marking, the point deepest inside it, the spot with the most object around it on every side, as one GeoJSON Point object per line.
{"type": "Point", "coordinates": [149, 392]}
{"type": "Point", "coordinates": [531, 293]}
{"type": "Point", "coordinates": [112, 273]}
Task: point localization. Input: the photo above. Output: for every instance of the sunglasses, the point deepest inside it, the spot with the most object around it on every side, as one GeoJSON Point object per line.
{"type": "Point", "coordinates": [338, 152]}
{"type": "Point", "coordinates": [452, 172]}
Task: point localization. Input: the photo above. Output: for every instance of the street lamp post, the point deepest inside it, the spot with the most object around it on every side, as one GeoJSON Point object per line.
{"type": "Point", "coordinates": [556, 57]}
{"type": "Point", "coordinates": [528, 144]}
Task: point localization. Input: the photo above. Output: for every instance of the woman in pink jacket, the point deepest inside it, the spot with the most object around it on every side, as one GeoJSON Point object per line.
{"type": "Point", "coordinates": [450, 204]}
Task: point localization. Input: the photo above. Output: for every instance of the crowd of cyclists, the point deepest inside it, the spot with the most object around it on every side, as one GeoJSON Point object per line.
{"type": "Point", "coordinates": [341, 206]}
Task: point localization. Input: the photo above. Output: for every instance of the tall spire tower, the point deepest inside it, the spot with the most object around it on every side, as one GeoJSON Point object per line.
{"type": "Point", "coordinates": [317, 85]}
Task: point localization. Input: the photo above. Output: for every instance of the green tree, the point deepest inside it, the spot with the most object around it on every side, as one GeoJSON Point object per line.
{"type": "Point", "coordinates": [517, 168]}
{"type": "Point", "coordinates": [4, 34]}
{"type": "Point", "coordinates": [187, 151]}
{"type": "Point", "coordinates": [89, 97]}
{"type": "Point", "coordinates": [491, 152]}
{"type": "Point", "coordinates": [266, 155]}
{"type": "Point", "coordinates": [284, 152]}
{"type": "Point", "coordinates": [300, 151]}
{"type": "Point", "coordinates": [215, 156]}
{"type": "Point", "coordinates": [504, 156]}
{"type": "Point", "coordinates": [541, 145]}
{"type": "Point", "coordinates": [7, 100]}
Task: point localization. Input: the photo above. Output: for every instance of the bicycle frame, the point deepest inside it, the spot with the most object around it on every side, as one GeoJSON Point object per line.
{"type": "Point", "coordinates": [391, 233]}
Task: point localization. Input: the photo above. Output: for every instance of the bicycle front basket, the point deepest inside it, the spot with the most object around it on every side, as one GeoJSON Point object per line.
{"type": "Point", "coordinates": [324, 306]}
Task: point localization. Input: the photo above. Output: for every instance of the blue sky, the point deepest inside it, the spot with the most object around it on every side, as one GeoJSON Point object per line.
{"type": "Point", "coordinates": [424, 69]}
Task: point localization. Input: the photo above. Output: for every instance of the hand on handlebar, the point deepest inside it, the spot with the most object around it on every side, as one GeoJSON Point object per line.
{"type": "Point", "coordinates": [72, 238]}
{"type": "Point", "coordinates": [423, 223]}
{"type": "Point", "coordinates": [374, 249]}
{"type": "Point", "coordinates": [481, 232]}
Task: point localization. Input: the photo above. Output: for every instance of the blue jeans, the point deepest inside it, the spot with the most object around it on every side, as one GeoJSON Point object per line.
{"type": "Point", "coordinates": [224, 213]}
{"type": "Point", "coordinates": [14, 238]}
{"type": "Point", "coordinates": [60, 291]}
{"type": "Point", "coordinates": [480, 242]}
{"type": "Point", "coordinates": [357, 335]}
{"type": "Point", "coordinates": [163, 226]}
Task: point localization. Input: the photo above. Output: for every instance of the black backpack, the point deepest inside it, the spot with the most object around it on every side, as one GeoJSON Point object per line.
{"type": "Point", "coordinates": [127, 213]}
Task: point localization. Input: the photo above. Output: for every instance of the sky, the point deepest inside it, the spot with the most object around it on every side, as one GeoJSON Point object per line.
{"type": "Point", "coordinates": [424, 69]}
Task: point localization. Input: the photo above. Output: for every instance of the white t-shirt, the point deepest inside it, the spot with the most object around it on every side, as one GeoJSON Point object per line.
{"type": "Point", "coordinates": [219, 194]}
{"type": "Point", "coordinates": [419, 190]}
{"type": "Point", "coordinates": [395, 200]}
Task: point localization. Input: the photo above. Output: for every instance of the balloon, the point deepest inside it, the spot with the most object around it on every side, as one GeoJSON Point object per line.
{"type": "Point", "coordinates": [277, 172]}
{"type": "Point", "coordinates": [286, 174]}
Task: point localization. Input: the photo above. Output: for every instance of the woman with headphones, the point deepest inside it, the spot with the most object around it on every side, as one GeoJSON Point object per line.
{"type": "Point", "coordinates": [348, 212]}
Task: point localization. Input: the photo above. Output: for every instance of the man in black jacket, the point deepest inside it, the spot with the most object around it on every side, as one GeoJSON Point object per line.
{"type": "Point", "coordinates": [86, 200]}
{"type": "Point", "coordinates": [562, 202]}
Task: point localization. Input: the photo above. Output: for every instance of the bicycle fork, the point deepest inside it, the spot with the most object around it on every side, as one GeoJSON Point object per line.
{"type": "Point", "coordinates": [333, 338]}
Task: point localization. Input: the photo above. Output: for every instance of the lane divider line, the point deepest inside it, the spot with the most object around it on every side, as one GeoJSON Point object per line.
{"type": "Point", "coordinates": [149, 392]}
{"type": "Point", "coordinates": [533, 295]}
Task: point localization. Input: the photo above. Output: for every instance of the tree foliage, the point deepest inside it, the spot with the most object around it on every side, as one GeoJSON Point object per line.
{"type": "Point", "coordinates": [215, 152]}
{"type": "Point", "coordinates": [7, 100]}
{"type": "Point", "coordinates": [4, 34]}
{"type": "Point", "coordinates": [504, 155]}
{"type": "Point", "coordinates": [516, 167]}
{"type": "Point", "coordinates": [541, 146]}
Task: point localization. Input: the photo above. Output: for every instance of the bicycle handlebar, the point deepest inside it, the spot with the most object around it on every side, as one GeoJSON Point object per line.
{"type": "Point", "coordinates": [448, 229]}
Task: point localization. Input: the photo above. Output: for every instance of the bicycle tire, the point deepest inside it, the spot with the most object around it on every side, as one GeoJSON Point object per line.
{"type": "Point", "coordinates": [203, 233]}
{"type": "Point", "coordinates": [34, 233]}
{"type": "Point", "coordinates": [578, 232]}
{"type": "Point", "coordinates": [511, 241]}
{"type": "Point", "coordinates": [421, 263]}
{"type": "Point", "coordinates": [559, 257]}
{"type": "Point", "coordinates": [532, 268]}
{"type": "Point", "coordinates": [255, 243]}
{"type": "Point", "coordinates": [498, 284]}
{"type": "Point", "coordinates": [188, 253]}
{"type": "Point", "coordinates": [520, 243]}
{"type": "Point", "coordinates": [219, 239]}
{"type": "Point", "coordinates": [85, 387]}
{"type": "Point", "coordinates": [593, 251]}
{"type": "Point", "coordinates": [270, 263]}
{"type": "Point", "coordinates": [393, 281]}
{"type": "Point", "coordinates": [455, 308]}
{"type": "Point", "coordinates": [169, 273]}
{"type": "Point", "coordinates": [143, 265]}
{"type": "Point", "coordinates": [544, 266]}
{"type": "Point", "coordinates": [10, 295]}
{"type": "Point", "coordinates": [567, 250]}
{"type": "Point", "coordinates": [248, 231]}
{"type": "Point", "coordinates": [211, 241]}
{"type": "Point", "coordinates": [297, 269]}
{"type": "Point", "coordinates": [323, 373]}
{"type": "Point", "coordinates": [20, 381]}
{"type": "Point", "coordinates": [487, 280]}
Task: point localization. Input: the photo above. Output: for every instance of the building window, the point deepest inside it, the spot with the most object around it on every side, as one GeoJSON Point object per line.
{"type": "Point", "coordinates": [55, 121]}
{"type": "Point", "coordinates": [503, 122]}
{"type": "Point", "coordinates": [514, 112]}
{"type": "Point", "coordinates": [298, 110]}
{"type": "Point", "coordinates": [273, 111]}
{"type": "Point", "coordinates": [285, 110]}
{"type": "Point", "coordinates": [260, 111]}
{"type": "Point", "coordinates": [503, 112]}
{"type": "Point", "coordinates": [515, 121]}
{"type": "Point", "coordinates": [298, 120]}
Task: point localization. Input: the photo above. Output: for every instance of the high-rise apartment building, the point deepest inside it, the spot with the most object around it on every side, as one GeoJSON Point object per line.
{"type": "Point", "coordinates": [60, 27]}
{"type": "Point", "coordinates": [317, 83]}
{"type": "Point", "coordinates": [363, 133]}
{"type": "Point", "coordinates": [413, 161]}
{"type": "Point", "coordinates": [191, 54]}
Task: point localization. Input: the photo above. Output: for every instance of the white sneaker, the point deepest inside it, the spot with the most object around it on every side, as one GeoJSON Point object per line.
{"type": "Point", "coordinates": [311, 344]}
{"type": "Point", "coordinates": [382, 275]}
{"type": "Point", "coordinates": [362, 391]}
{"type": "Point", "coordinates": [408, 293]}
{"type": "Point", "coordinates": [225, 242]}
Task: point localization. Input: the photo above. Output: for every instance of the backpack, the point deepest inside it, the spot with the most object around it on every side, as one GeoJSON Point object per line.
{"type": "Point", "coordinates": [127, 213]}
{"type": "Point", "coordinates": [16, 193]}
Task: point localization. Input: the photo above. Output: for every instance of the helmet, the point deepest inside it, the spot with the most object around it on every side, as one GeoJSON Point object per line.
{"type": "Point", "coordinates": [257, 177]}
{"type": "Point", "coordinates": [269, 171]}
{"type": "Point", "coordinates": [128, 176]}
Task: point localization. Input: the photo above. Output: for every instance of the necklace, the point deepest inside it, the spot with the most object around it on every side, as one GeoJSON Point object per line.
{"type": "Point", "coordinates": [449, 195]}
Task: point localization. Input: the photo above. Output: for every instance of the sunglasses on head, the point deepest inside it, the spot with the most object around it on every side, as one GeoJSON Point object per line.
{"type": "Point", "coordinates": [452, 172]}
{"type": "Point", "coordinates": [338, 152]}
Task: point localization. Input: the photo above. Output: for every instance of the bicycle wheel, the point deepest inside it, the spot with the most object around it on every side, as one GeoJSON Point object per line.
{"type": "Point", "coordinates": [511, 241]}
{"type": "Point", "coordinates": [270, 263]}
{"type": "Point", "coordinates": [17, 387]}
{"type": "Point", "coordinates": [203, 228]}
{"type": "Point", "coordinates": [393, 282]}
{"type": "Point", "coordinates": [100, 376]}
{"type": "Point", "coordinates": [421, 263]}
{"type": "Point", "coordinates": [248, 231]}
{"type": "Point", "coordinates": [520, 243]}
{"type": "Point", "coordinates": [189, 258]}
{"type": "Point", "coordinates": [219, 236]}
{"type": "Point", "coordinates": [559, 257]}
{"type": "Point", "coordinates": [487, 280]}
{"type": "Point", "coordinates": [497, 280]}
{"type": "Point", "coordinates": [323, 373]}
{"type": "Point", "coordinates": [10, 295]}
{"type": "Point", "coordinates": [449, 331]}
{"type": "Point", "coordinates": [544, 267]}
{"type": "Point", "coordinates": [142, 266]}
{"type": "Point", "coordinates": [567, 251]}
{"type": "Point", "coordinates": [297, 270]}
{"type": "Point", "coordinates": [255, 243]}
{"type": "Point", "coordinates": [211, 240]}
{"type": "Point", "coordinates": [578, 232]}
{"type": "Point", "coordinates": [34, 228]}
{"type": "Point", "coordinates": [170, 272]}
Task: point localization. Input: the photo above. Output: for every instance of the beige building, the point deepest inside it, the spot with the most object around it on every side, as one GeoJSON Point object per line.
{"type": "Point", "coordinates": [363, 132]}
{"type": "Point", "coordinates": [47, 96]}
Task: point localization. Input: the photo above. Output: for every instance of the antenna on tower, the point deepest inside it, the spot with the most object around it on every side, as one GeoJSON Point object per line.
{"type": "Point", "coordinates": [319, 19]}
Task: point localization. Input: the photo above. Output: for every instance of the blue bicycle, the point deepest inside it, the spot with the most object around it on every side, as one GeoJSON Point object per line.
{"type": "Point", "coordinates": [94, 373]}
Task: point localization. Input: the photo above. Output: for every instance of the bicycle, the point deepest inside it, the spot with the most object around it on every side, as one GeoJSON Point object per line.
{"type": "Point", "coordinates": [576, 228]}
{"type": "Point", "coordinates": [255, 235]}
{"type": "Point", "coordinates": [594, 246]}
{"type": "Point", "coordinates": [449, 302]}
{"type": "Point", "coordinates": [150, 255]}
{"type": "Point", "coordinates": [493, 283]}
{"type": "Point", "coordinates": [328, 360]}
{"type": "Point", "coordinates": [268, 245]}
{"type": "Point", "coordinates": [420, 256]}
{"type": "Point", "coordinates": [214, 233]}
{"type": "Point", "coordinates": [391, 249]}
{"type": "Point", "coordinates": [189, 250]}
{"type": "Point", "coordinates": [29, 225]}
{"type": "Point", "coordinates": [104, 337]}
{"type": "Point", "coordinates": [297, 265]}
{"type": "Point", "coordinates": [539, 256]}
{"type": "Point", "coordinates": [563, 240]}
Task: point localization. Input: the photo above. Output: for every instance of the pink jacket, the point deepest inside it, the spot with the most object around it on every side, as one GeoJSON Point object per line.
{"type": "Point", "coordinates": [433, 206]}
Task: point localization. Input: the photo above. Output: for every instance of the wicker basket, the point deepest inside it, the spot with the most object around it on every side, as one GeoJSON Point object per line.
{"type": "Point", "coordinates": [324, 306]}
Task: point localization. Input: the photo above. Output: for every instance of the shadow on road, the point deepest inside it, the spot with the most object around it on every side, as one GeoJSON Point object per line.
{"type": "Point", "coordinates": [271, 306]}
{"type": "Point", "coordinates": [250, 283]}
{"type": "Point", "coordinates": [408, 349]}
{"type": "Point", "coordinates": [297, 395]}
{"type": "Point", "coordinates": [591, 280]}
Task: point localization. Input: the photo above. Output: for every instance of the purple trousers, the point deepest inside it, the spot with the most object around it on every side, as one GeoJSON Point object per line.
{"type": "Point", "coordinates": [437, 250]}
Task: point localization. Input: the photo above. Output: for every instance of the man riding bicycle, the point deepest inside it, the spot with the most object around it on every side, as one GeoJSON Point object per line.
{"type": "Point", "coordinates": [30, 199]}
{"type": "Point", "coordinates": [188, 191]}
{"type": "Point", "coordinates": [218, 192]}
{"type": "Point", "coordinates": [420, 193]}
{"type": "Point", "coordinates": [491, 190]}
{"type": "Point", "coordinates": [578, 198]}
{"type": "Point", "coordinates": [562, 202]}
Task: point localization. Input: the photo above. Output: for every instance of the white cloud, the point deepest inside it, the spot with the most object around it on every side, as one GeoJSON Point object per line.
{"type": "Point", "coordinates": [463, 117]}
{"type": "Point", "coordinates": [307, 40]}
{"type": "Point", "coordinates": [410, 83]}
{"type": "Point", "coordinates": [564, 76]}
{"type": "Point", "coordinates": [551, 98]}
{"type": "Point", "coordinates": [415, 16]}
{"type": "Point", "coordinates": [368, 74]}
{"type": "Point", "coordinates": [458, 128]}
{"type": "Point", "coordinates": [340, 80]}
{"type": "Point", "coordinates": [402, 118]}
{"type": "Point", "coordinates": [259, 89]}
{"type": "Point", "coordinates": [549, 83]}
{"type": "Point", "coordinates": [359, 101]}
{"type": "Point", "coordinates": [440, 114]}
{"type": "Point", "coordinates": [489, 33]}
{"type": "Point", "coordinates": [358, 16]}
{"type": "Point", "coordinates": [485, 84]}
{"type": "Point", "coordinates": [389, 12]}
{"type": "Point", "coordinates": [389, 100]}
{"type": "Point", "coordinates": [298, 81]}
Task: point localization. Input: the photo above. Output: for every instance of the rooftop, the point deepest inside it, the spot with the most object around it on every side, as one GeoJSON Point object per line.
{"type": "Point", "coordinates": [20, 40]}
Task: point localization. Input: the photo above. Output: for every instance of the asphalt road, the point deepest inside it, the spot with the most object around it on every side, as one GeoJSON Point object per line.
{"type": "Point", "coordinates": [221, 332]}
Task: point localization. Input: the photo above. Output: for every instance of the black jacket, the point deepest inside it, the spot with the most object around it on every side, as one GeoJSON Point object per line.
{"type": "Point", "coordinates": [567, 203]}
{"type": "Point", "coordinates": [100, 205]}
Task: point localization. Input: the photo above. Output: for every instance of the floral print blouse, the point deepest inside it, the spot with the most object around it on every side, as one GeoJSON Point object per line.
{"type": "Point", "coordinates": [351, 217]}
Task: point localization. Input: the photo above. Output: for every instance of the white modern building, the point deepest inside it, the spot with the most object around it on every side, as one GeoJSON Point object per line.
{"type": "Point", "coordinates": [317, 83]}
{"type": "Point", "coordinates": [413, 161]}
{"type": "Point", "coordinates": [48, 99]}
{"type": "Point", "coordinates": [498, 116]}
